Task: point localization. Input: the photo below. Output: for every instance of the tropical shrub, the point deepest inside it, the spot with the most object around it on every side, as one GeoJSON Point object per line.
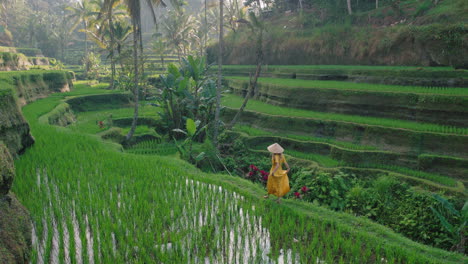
{"type": "Point", "coordinates": [187, 92]}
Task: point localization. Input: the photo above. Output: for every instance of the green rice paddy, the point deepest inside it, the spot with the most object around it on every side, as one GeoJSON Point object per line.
{"type": "Point", "coordinates": [233, 101]}
{"type": "Point", "coordinates": [337, 85]}
{"type": "Point", "coordinates": [252, 131]}
{"type": "Point", "coordinates": [91, 203]}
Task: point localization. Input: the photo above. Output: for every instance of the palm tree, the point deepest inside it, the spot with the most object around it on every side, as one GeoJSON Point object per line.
{"type": "Point", "coordinates": [121, 31]}
{"type": "Point", "coordinates": [178, 27]}
{"type": "Point", "coordinates": [134, 10]}
{"type": "Point", "coordinates": [106, 14]}
{"type": "Point", "coordinates": [82, 12]}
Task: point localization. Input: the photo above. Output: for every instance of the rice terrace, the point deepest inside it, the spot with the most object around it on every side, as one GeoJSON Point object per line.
{"type": "Point", "coordinates": [269, 132]}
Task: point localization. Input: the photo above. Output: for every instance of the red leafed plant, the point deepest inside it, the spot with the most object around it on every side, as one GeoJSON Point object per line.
{"type": "Point", "coordinates": [257, 175]}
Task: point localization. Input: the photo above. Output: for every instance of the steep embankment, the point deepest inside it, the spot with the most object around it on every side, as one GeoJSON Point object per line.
{"type": "Point", "coordinates": [18, 59]}
{"type": "Point", "coordinates": [19, 88]}
{"type": "Point", "coordinates": [378, 37]}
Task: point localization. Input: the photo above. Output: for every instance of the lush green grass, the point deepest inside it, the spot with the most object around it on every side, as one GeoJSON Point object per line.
{"type": "Point", "coordinates": [252, 131]}
{"type": "Point", "coordinates": [73, 184]}
{"type": "Point", "coordinates": [234, 101]}
{"type": "Point", "coordinates": [357, 86]}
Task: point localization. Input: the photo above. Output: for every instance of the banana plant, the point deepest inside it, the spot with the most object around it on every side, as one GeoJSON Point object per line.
{"type": "Point", "coordinates": [192, 130]}
{"type": "Point", "coordinates": [458, 229]}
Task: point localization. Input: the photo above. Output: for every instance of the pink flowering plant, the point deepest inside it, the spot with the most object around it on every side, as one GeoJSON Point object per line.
{"type": "Point", "coordinates": [257, 175]}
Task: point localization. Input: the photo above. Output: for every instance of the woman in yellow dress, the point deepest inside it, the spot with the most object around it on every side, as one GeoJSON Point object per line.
{"type": "Point", "coordinates": [278, 182]}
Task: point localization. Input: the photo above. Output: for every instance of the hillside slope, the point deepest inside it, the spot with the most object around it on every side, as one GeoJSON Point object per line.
{"type": "Point", "coordinates": [414, 34]}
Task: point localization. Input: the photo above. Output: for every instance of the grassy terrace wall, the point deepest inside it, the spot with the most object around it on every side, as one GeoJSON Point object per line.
{"type": "Point", "coordinates": [14, 130]}
{"type": "Point", "coordinates": [34, 84]}
{"type": "Point", "coordinates": [99, 102]}
{"type": "Point", "coordinates": [418, 76]}
{"type": "Point", "coordinates": [385, 138]}
{"type": "Point", "coordinates": [19, 88]}
{"type": "Point", "coordinates": [13, 61]}
{"type": "Point", "coordinates": [409, 103]}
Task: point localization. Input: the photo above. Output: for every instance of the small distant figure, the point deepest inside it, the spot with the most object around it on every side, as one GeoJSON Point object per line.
{"type": "Point", "coordinates": [294, 75]}
{"type": "Point", "coordinates": [278, 181]}
{"type": "Point", "coordinates": [101, 124]}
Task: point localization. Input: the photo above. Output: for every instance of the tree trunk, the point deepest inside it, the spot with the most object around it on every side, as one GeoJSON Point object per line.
{"type": "Point", "coordinates": [86, 49]}
{"type": "Point", "coordinates": [376, 4]}
{"type": "Point", "coordinates": [136, 90]}
{"type": "Point", "coordinates": [111, 26]}
{"type": "Point", "coordinates": [220, 68]}
{"type": "Point", "coordinates": [206, 33]}
{"type": "Point", "coordinates": [350, 11]}
{"type": "Point", "coordinates": [252, 83]}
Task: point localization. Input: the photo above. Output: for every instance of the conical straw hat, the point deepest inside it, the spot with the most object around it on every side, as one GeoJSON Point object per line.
{"type": "Point", "coordinates": [275, 148]}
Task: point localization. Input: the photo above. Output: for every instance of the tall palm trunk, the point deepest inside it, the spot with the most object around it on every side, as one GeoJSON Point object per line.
{"type": "Point", "coordinates": [220, 68]}
{"type": "Point", "coordinates": [253, 88]}
{"type": "Point", "coordinates": [206, 33]}
{"type": "Point", "coordinates": [111, 26]}
{"type": "Point", "coordinates": [86, 48]}
{"type": "Point", "coordinates": [350, 11]}
{"type": "Point", "coordinates": [136, 90]}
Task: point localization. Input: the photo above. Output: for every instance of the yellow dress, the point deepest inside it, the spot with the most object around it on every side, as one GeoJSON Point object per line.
{"type": "Point", "coordinates": [278, 184]}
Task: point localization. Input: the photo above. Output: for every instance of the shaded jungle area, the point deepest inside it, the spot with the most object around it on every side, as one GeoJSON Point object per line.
{"type": "Point", "coordinates": [137, 131]}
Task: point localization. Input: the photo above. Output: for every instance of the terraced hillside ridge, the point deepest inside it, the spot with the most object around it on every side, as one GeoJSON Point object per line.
{"type": "Point", "coordinates": [224, 216]}
{"type": "Point", "coordinates": [392, 75]}
{"type": "Point", "coordinates": [446, 106]}
{"type": "Point", "coordinates": [435, 172]}
{"type": "Point", "coordinates": [387, 134]}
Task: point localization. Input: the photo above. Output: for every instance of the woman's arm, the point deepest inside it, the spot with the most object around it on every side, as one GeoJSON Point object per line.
{"type": "Point", "coordinates": [287, 165]}
{"type": "Point", "coordinates": [275, 169]}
